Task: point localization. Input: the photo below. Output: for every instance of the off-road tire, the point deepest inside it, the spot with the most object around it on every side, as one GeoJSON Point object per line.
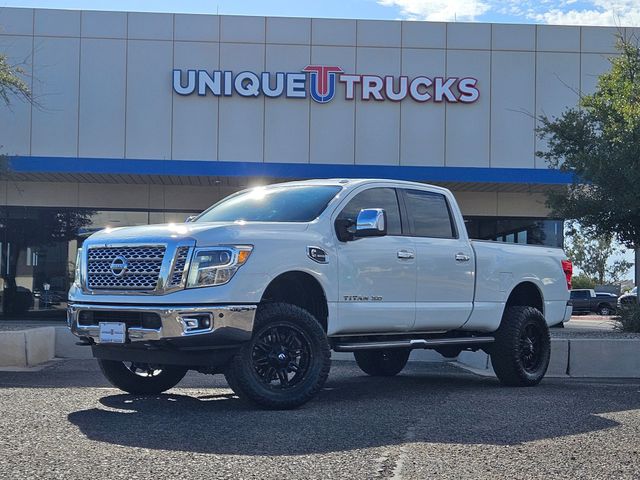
{"type": "Point", "coordinates": [518, 362]}
{"type": "Point", "coordinates": [382, 363]}
{"type": "Point", "coordinates": [248, 378]}
{"type": "Point", "coordinates": [121, 376]}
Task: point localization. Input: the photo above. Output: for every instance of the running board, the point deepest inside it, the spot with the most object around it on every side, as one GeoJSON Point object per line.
{"type": "Point", "coordinates": [412, 344]}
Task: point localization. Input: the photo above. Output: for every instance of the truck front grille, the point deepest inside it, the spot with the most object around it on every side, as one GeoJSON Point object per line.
{"type": "Point", "coordinates": [124, 268]}
{"type": "Point", "coordinates": [182, 255]}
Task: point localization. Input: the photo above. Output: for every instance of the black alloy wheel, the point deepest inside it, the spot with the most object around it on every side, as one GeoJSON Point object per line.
{"type": "Point", "coordinates": [281, 355]}
{"type": "Point", "coordinates": [286, 362]}
{"type": "Point", "coordinates": [531, 354]}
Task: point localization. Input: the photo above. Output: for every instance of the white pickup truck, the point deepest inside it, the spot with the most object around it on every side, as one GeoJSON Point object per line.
{"type": "Point", "coordinates": [265, 283]}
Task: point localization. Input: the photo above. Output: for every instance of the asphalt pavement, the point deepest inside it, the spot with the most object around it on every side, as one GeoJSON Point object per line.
{"type": "Point", "coordinates": [432, 421]}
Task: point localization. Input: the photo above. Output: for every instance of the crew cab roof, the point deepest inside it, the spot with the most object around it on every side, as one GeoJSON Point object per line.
{"type": "Point", "coordinates": [353, 182]}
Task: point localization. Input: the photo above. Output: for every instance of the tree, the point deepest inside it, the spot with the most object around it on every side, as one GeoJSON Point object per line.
{"type": "Point", "coordinates": [11, 83]}
{"type": "Point", "coordinates": [592, 255]}
{"type": "Point", "coordinates": [599, 142]}
{"type": "Point", "coordinates": [582, 281]}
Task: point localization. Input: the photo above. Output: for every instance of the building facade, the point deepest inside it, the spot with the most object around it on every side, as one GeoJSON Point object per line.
{"type": "Point", "coordinates": [143, 118]}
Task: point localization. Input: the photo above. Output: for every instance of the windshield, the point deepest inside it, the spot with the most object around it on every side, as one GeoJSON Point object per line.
{"type": "Point", "coordinates": [272, 204]}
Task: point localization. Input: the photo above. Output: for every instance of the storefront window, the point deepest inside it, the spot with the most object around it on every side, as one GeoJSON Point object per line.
{"type": "Point", "coordinates": [38, 249]}
{"type": "Point", "coordinates": [532, 231]}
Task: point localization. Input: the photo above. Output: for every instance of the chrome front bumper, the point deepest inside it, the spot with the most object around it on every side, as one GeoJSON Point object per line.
{"type": "Point", "coordinates": [232, 322]}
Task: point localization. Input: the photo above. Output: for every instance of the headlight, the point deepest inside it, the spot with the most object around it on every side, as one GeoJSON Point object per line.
{"type": "Point", "coordinates": [216, 265]}
{"type": "Point", "coordinates": [76, 279]}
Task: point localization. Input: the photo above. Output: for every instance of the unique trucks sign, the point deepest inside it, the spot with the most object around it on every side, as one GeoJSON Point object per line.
{"type": "Point", "coordinates": [320, 82]}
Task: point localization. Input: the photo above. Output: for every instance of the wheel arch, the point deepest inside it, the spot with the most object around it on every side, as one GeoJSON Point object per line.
{"type": "Point", "coordinates": [299, 288]}
{"type": "Point", "coordinates": [526, 294]}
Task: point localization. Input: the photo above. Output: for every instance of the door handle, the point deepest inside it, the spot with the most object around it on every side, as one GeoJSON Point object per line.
{"type": "Point", "coordinates": [406, 254]}
{"type": "Point", "coordinates": [462, 257]}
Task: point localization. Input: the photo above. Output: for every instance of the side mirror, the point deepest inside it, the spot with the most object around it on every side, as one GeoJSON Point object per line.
{"type": "Point", "coordinates": [190, 218]}
{"type": "Point", "coordinates": [371, 222]}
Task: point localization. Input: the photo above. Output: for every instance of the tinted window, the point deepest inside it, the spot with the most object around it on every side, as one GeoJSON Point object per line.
{"type": "Point", "coordinates": [428, 214]}
{"type": "Point", "coordinates": [579, 294]}
{"type": "Point", "coordinates": [376, 198]}
{"type": "Point", "coordinates": [272, 204]}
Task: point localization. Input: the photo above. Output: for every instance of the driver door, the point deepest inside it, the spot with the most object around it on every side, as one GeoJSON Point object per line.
{"type": "Point", "coordinates": [376, 275]}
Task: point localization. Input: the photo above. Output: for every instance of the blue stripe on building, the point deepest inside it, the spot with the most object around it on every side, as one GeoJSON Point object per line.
{"type": "Point", "coordinates": [71, 165]}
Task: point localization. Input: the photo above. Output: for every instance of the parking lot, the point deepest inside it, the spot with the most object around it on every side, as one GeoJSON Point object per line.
{"type": "Point", "coordinates": [432, 421]}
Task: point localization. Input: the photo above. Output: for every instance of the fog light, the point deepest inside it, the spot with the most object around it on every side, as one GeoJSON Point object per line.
{"type": "Point", "coordinates": [194, 323]}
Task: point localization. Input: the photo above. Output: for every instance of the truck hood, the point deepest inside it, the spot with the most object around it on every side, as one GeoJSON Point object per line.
{"type": "Point", "coordinates": [203, 234]}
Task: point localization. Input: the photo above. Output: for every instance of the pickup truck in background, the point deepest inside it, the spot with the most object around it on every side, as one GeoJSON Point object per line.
{"type": "Point", "coordinates": [586, 300]}
{"type": "Point", "coordinates": [265, 283]}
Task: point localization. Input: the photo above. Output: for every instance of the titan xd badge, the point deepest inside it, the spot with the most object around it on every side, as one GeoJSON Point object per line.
{"type": "Point", "coordinates": [317, 254]}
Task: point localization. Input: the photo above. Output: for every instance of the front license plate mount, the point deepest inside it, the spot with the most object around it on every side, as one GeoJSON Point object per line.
{"type": "Point", "coordinates": [113, 332]}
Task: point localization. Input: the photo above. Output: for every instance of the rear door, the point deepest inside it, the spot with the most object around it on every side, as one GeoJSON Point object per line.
{"type": "Point", "coordinates": [377, 275]}
{"type": "Point", "coordinates": [445, 262]}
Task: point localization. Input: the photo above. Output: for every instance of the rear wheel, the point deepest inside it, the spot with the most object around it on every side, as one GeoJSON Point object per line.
{"type": "Point", "coordinates": [605, 310]}
{"type": "Point", "coordinates": [285, 363]}
{"type": "Point", "coordinates": [141, 378]}
{"type": "Point", "coordinates": [382, 363]}
{"type": "Point", "coordinates": [520, 354]}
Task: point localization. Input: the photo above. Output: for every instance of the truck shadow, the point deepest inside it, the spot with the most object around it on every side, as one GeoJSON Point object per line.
{"type": "Point", "coordinates": [359, 412]}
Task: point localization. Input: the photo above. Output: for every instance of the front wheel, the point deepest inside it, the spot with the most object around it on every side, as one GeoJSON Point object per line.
{"type": "Point", "coordinates": [382, 363]}
{"type": "Point", "coordinates": [141, 378]}
{"type": "Point", "coordinates": [285, 363]}
{"type": "Point", "coordinates": [522, 348]}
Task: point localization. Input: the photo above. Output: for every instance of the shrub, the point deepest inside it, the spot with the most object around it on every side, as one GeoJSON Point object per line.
{"type": "Point", "coordinates": [628, 318]}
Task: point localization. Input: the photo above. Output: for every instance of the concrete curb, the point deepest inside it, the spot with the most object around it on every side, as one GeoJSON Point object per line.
{"type": "Point", "coordinates": [26, 348]}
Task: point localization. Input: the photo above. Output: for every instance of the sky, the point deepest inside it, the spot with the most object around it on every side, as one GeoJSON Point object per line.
{"type": "Point", "coordinates": [625, 13]}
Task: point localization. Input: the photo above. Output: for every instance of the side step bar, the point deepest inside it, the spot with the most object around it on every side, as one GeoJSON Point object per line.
{"type": "Point", "coordinates": [412, 344]}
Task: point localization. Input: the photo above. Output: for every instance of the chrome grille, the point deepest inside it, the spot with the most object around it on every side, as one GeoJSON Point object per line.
{"type": "Point", "coordinates": [182, 254]}
{"type": "Point", "coordinates": [142, 270]}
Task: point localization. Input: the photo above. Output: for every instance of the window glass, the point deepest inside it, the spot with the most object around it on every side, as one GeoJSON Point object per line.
{"type": "Point", "coordinates": [428, 214]}
{"type": "Point", "coordinates": [580, 294]}
{"type": "Point", "coordinates": [376, 198]}
{"type": "Point", "coordinates": [272, 204]}
{"type": "Point", "coordinates": [533, 231]}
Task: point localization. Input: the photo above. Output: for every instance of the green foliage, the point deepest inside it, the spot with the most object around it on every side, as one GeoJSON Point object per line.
{"type": "Point", "coordinates": [592, 254]}
{"type": "Point", "coordinates": [599, 141]}
{"type": "Point", "coordinates": [582, 281]}
{"type": "Point", "coordinates": [628, 318]}
{"type": "Point", "coordinates": [11, 83]}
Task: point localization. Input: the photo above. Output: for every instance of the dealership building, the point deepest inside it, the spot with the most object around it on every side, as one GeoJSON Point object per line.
{"type": "Point", "coordinates": [144, 118]}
